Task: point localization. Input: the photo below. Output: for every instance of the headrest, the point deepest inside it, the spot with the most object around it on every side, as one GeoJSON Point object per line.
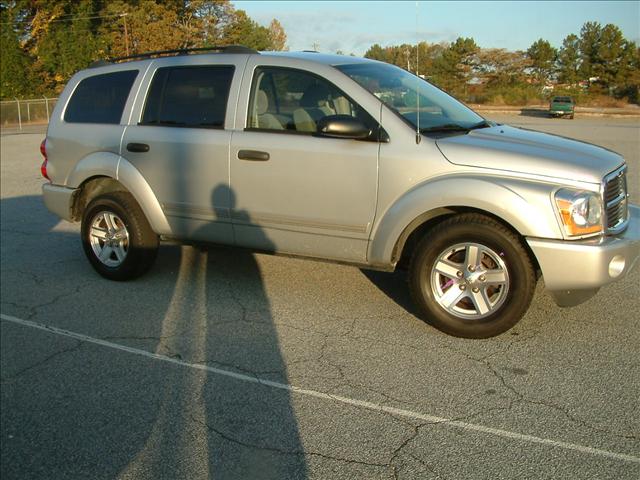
{"type": "Point", "coordinates": [262, 103]}
{"type": "Point", "coordinates": [315, 96]}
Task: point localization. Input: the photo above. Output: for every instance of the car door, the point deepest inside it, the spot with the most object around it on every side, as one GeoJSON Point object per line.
{"type": "Point", "coordinates": [181, 143]}
{"type": "Point", "coordinates": [295, 191]}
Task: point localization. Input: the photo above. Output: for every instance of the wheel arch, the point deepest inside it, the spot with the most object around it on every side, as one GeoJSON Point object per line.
{"type": "Point", "coordinates": [522, 207]}
{"type": "Point", "coordinates": [108, 177]}
{"type": "Point", "coordinates": [421, 225]}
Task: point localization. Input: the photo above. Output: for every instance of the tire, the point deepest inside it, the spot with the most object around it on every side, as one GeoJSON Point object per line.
{"type": "Point", "coordinates": [571, 117]}
{"type": "Point", "coordinates": [489, 269]}
{"type": "Point", "coordinates": [117, 238]}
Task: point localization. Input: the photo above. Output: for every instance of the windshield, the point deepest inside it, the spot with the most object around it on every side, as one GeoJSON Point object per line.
{"type": "Point", "coordinates": [412, 97]}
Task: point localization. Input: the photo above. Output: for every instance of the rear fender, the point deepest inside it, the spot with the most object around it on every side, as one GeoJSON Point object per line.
{"type": "Point", "coordinates": [106, 164]}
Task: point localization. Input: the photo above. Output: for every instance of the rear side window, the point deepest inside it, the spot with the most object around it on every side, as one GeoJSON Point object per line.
{"type": "Point", "coordinates": [101, 98]}
{"type": "Point", "coordinates": [189, 97]}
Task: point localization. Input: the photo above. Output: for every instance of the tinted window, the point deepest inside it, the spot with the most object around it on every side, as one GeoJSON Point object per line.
{"type": "Point", "coordinates": [101, 98]}
{"type": "Point", "coordinates": [287, 99]}
{"type": "Point", "coordinates": [189, 97]}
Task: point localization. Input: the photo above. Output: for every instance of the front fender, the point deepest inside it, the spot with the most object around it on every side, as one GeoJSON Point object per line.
{"type": "Point", "coordinates": [524, 205]}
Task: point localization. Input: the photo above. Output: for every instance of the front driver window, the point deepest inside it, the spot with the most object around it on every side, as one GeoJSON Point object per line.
{"type": "Point", "coordinates": [284, 99]}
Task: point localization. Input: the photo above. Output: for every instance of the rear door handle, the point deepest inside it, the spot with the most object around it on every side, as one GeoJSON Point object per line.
{"type": "Point", "coordinates": [137, 147]}
{"type": "Point", "coordinates": [254, 155]}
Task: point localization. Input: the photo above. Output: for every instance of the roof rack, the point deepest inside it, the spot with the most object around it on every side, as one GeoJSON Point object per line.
{"type": "Point", "coordinates": [179, 51]}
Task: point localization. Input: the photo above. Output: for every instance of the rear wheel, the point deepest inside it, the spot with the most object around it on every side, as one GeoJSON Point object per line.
{"type": "Point", "coordinates": [117, 238]}
{"type": "Point", "coordinates": [471, 277]}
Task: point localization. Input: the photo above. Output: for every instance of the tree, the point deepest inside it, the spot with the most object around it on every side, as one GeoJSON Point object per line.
{"type": "Point", "coordinates": [13, 63]}
{"type": "Point", "coordinates": [376, 52]}
{"type": "Point", "coordinates": [455, 67]}
{"type": "Point", "coordinates": [569, 60]}
{"type": "Point", "coordinates": [208, 20]}
{"type": "Point", "coordinates": [277, 36]}
{"type": "Point", "coordinates": [589, 46]}
{"type": "Point", "coordinates": [614, 57]}
{"type": "Point", "coordinates": [605, 55]}
{"type": "Point", "coordinates": [501, 68]}
{"type": "Point", "coordinates": [244, 31]}
{"type": "Point", "coordinates": [60, 38]}
{"type": "Point", "coordinates": [143, 27]}
{"type": "Point", "coordinates": [543, 57]}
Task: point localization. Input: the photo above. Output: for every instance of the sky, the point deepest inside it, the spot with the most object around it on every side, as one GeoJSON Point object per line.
{"type": "Point", "coordinates": [353, 27]}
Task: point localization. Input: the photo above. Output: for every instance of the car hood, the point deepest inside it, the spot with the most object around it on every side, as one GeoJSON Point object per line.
{"type": "Point", "coordinates": [524, 151]}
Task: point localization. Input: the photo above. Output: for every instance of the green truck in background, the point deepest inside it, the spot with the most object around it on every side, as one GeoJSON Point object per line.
{"type": "Point", "coordinates": [561, 107]}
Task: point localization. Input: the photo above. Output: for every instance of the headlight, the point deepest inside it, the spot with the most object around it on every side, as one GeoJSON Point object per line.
{"type": "Point", "coordinates": [580, 211]}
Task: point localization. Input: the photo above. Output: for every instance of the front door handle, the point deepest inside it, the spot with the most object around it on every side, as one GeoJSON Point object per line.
{"type": "Point", "coordinates": [254, 155]}
{"type": "Point", "coordinates": [137, 147]}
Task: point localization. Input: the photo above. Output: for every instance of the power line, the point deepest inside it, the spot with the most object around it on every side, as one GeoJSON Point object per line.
{"type": "Point", "coordinates": [73, 19]}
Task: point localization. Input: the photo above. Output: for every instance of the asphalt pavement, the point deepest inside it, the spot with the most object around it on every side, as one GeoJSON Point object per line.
{"type": "Point", "coordinates": [224, 364]}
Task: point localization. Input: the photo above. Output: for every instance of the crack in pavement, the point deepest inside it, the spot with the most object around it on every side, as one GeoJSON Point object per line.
{"type": "Point", "coordinates": [522, 398]}
{"type": "Point", "coordinates": [32, 310]}
{"type": "Point", "coordinates": [282, 451]}
{"type": "Point", "coordinates": [39, 363]}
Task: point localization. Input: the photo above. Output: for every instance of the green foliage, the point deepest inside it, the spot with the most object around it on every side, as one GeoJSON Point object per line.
{"type": "Point", "coordinates": [44, 42]}
{"type": "Point", "coordinates": [599, 61]}
{"type": "Point", "coordinates": [568, 60]}
{"type": "Point", "coordinates": [14, 63]}
{"type": "Point", "coordinates": [543, 57]}
{"type": "Point", "coordinates": [456, 65]}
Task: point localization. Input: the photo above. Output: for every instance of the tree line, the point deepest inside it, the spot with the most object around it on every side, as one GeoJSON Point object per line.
{"type": "Point", "coordinates": [598, 63]}
{"type": "Point", "coordinates": [44, 42]}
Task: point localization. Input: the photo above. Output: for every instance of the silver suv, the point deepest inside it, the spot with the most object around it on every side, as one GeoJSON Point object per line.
{"type": "Point", "coordinates": [335, 158]}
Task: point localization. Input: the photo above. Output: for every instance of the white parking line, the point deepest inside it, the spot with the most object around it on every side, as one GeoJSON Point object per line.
{"type": "Point", "coordinates": [335, 398]}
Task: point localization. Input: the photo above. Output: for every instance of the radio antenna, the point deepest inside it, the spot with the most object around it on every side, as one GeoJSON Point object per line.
{"type": "Point", "coordinates": [418, 135]}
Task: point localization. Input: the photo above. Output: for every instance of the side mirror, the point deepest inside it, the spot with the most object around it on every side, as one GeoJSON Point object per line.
{"type": "Point", "coordinates": [343, 126]}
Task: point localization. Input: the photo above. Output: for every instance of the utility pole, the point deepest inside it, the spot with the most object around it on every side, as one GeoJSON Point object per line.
{"type": "Point", "coordinates": [126, 33]}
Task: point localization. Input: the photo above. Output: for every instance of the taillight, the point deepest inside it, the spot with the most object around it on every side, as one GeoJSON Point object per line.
{"type": "Point", "coordinates": [43, 167]}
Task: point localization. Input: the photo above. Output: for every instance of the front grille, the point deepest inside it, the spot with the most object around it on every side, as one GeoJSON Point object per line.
{"type": "Point", "coordinates": [615, 200]}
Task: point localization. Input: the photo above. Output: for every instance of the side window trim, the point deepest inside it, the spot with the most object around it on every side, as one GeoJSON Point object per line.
{"type": "Point", "coordinates": [267, 69]}
{"type": "Point", "coordinates": [169, 70]}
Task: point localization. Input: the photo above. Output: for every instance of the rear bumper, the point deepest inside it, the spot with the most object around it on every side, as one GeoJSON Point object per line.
{"type": "Point", "coordinates": [587, 265]}
{"type": "Point", "coordinates": [59, 200]}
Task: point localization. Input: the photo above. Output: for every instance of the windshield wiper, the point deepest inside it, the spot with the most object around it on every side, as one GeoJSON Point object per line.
{"type": "Point", "coordinates": [454, 127]}
{"type": "Point", "coordinates": [447, 127]}
{"type": "Point", "coordinates": [482, 124]}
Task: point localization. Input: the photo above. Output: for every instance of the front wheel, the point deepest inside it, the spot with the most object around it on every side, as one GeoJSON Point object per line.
{"type": "Point", "coordinates": [117, 238]}
{"type": "Point", "coordinates": [471, 277]}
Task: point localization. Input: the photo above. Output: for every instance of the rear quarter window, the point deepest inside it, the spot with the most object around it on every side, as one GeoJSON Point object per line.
{"type": "Point", "coordinates": [100, 98]}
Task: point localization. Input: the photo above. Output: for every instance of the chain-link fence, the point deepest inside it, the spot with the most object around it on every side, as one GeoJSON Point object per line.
{"type": "Point", "coordinates": [26, 115]}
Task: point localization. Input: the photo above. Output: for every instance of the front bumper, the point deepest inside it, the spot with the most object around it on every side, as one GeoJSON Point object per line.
{"type": "Point", "coordinates": [575, 268]}
{"type": "Point", "coordinates": [59, 200]}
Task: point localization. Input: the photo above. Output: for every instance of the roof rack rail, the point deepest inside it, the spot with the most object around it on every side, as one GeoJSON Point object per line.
{"type": "Point", "coordinates": [179, 51]}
